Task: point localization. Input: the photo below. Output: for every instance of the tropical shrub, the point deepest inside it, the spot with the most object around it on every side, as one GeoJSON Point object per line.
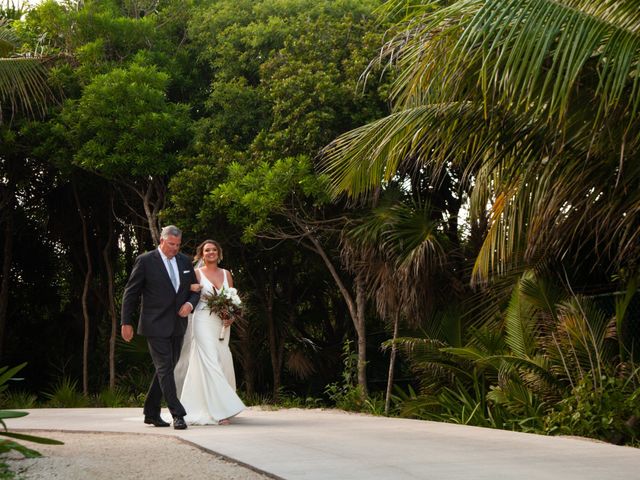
{"type": "Point", "coordinates": [18, 399]}
{"type": "Point", "coordinates": [114, 398]}
{"type": "Point", "coordinates": [347, 394]}
{"type": "Point", "coordinates": [549, 362]}
{"type": "Point", "coordinates": [608, 410]}
{"type": "Point", "coordinates": [65, 394]}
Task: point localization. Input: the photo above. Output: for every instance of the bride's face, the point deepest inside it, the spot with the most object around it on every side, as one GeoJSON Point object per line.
{"type": "Point", "coordinates": [210, 253]}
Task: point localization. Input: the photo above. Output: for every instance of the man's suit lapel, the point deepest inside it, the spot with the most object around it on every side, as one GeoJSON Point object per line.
{"type": "Point", "coordinates": [163, 269]}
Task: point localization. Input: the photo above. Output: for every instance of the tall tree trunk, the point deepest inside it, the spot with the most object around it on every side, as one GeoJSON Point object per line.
{"type": "Point", "coordinates": [152, 219]}
{"type": "Point", "coordinates": [273, 336]}
{"type": "Point", "coordinates": [361, 329]}
{"type": "Point", "coordinates": [356, 311]}
{"type": "Point", "coordinates": [392, 362]}
{"type": "Point", "coordinates": [248, 360]}
{"type": "Point", "coordinates": [153, 201]}
{"type": "Point", "coordinates": [7, 257]}
{"type": "Point", "coordinates": [248, 356]}
{"type": "Point", "coordinates": [85, 294]}
{"type": "Point", "coordinates": [106, 255]}
{"type": "Point", "coordinates": [129, 256]}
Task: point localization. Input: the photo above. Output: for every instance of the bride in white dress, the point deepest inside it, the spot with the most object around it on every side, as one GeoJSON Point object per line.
{"type": "Point", "coordinates": [204, 375]}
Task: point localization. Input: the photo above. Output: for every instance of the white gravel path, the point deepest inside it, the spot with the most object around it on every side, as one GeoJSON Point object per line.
{"type": "Point", "coordinates": [108, 456]}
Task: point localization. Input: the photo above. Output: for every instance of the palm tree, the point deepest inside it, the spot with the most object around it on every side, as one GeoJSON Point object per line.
{"type": "Point", "coordinates": [394, 250]}
{"type": "Point", "coordinates": [23, 85]}
{"type": "Point", "coordinates": [537, 103]}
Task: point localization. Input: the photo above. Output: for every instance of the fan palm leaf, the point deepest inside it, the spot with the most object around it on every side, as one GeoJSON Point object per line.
{"type": "Point", "coordinates": [23, 79]}
{"type": "Point", "coordinates": [399, 244]}
{"type": "Point", "coordinates": [583, 338]}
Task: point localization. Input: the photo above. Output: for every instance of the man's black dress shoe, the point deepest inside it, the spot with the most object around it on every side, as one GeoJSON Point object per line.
{"type": "Point", "coordinates": [155, 421]}
{"type": "Point", "coordinates": [179, 423]}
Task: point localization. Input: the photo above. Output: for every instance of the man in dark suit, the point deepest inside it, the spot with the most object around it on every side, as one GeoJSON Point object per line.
{"type": "Point", "coordinates": [162, 278]}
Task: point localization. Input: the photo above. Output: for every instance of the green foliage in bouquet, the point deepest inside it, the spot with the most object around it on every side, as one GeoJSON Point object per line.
{"type": "Point", "coordinates": [226, 304]}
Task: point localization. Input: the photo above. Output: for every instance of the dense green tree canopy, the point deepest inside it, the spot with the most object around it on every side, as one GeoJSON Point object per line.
{"type": "Point", "coordinates": [123, 125]}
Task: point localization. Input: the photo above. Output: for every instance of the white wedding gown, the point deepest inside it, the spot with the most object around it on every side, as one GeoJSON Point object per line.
{"type": "Point", "coordinates": [204, 375]}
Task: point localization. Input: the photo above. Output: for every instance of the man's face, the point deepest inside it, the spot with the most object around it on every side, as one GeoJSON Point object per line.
{"type": "Point", "coordinates": [170, 245]}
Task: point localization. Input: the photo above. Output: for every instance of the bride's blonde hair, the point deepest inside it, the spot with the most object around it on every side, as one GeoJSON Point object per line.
{"type": "Point", "coordinates": [198, 258]}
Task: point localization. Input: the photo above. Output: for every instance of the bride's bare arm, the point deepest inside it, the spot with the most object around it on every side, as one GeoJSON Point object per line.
{"type": "Point", "coordinates": [230, 279]}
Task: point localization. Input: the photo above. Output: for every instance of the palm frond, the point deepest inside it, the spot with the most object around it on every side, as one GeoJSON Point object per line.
{"type": "Point", "coordinates": [536, 53]}
{"type": "Point", "coordinates": [362, 159]}
{"type": "Point", "coordinates": [23, 79]}
{"type": "Point", "coordinates": [542, 294]}
{"type": "Point", "coordinates": [520, 325]}
{"type": "Point", "coordinates": [538, 365]}
{"type": "Point", "coordinates": [23, 84]}
{"type": "Point", "coordinates": [8, 40]}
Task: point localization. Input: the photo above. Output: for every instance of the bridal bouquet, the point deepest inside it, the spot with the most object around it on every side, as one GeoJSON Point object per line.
{"type": "Point", "coordinates": [226, 304]}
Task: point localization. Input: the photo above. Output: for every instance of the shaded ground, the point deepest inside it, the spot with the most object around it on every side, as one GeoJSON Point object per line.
{"type": "Point", "coordinates": [99, 456]}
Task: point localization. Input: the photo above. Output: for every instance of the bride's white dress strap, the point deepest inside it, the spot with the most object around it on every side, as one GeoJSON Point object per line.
{"type": "Point", "coordinates": [204, 278]}
{"type": "Point", "coordinates": [225, 282]}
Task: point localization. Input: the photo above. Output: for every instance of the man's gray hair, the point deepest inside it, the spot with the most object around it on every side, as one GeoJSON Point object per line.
{"type": "Point", "coordinates": [170, 230]}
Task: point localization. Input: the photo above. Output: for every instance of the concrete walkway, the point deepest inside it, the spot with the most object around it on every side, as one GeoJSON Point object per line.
{"type": "Point", "coordinates": [328, 444]}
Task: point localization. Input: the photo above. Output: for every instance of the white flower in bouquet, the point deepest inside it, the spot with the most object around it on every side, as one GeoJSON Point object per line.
{"type": "Point", "coordinates": [232, 293]}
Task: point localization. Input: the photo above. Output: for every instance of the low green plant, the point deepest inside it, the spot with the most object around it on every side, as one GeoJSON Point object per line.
{"type": "Point", "coordinates": [18, 399]}
{"type": "Point", "coordinates": [5, 472]}
{"type": "Point", "coordinates": [114, 398]}
{"type": "Point", "coordinates": [346, 397]}
{"type": "Point", "coordinates": [255, 399]}
{"type": "Point", "coordinates": [285, 400]}
{"type": "Point", "coordinates": [65, 394]}
{"type": "Point", "coordinates": [7, 374]}
{"type": "Point", "coordinates": [453, 404]}
{"type": "Point", "coordinates": [347, 394]}
{"type": "Point", "coordinates": [374, 404]}
{"type": "Point", "coordinates": [137, 379]}
{"type": "Point", "coordinates": [291, 400]}
{"type": "Point", "coordinates": [608, 410]}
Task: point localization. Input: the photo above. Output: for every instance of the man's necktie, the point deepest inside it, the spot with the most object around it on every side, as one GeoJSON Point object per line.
{"type": "Point", "coordinates": [172, 276]}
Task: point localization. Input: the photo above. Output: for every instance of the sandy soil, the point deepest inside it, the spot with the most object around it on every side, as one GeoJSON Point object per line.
{"type": "Point", "coordinates": [102, 456]}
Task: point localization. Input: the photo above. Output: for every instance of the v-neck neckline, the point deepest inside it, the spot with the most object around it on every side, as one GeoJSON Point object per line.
{"type": "Point", "coordinates": [218, 290]}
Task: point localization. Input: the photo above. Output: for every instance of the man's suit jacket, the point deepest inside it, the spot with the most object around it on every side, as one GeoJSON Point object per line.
{"type": "Point", "coordinates": [160, 302]}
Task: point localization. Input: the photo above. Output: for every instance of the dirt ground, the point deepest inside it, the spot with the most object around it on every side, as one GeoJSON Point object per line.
{"type": "Point", "coordinates": [102, 456]}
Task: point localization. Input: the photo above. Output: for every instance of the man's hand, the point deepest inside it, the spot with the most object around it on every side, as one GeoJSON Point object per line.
{"type": "Point", "coordinates": [127, 332]}
{"type": "Point", "coordinates": [185, 309]}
